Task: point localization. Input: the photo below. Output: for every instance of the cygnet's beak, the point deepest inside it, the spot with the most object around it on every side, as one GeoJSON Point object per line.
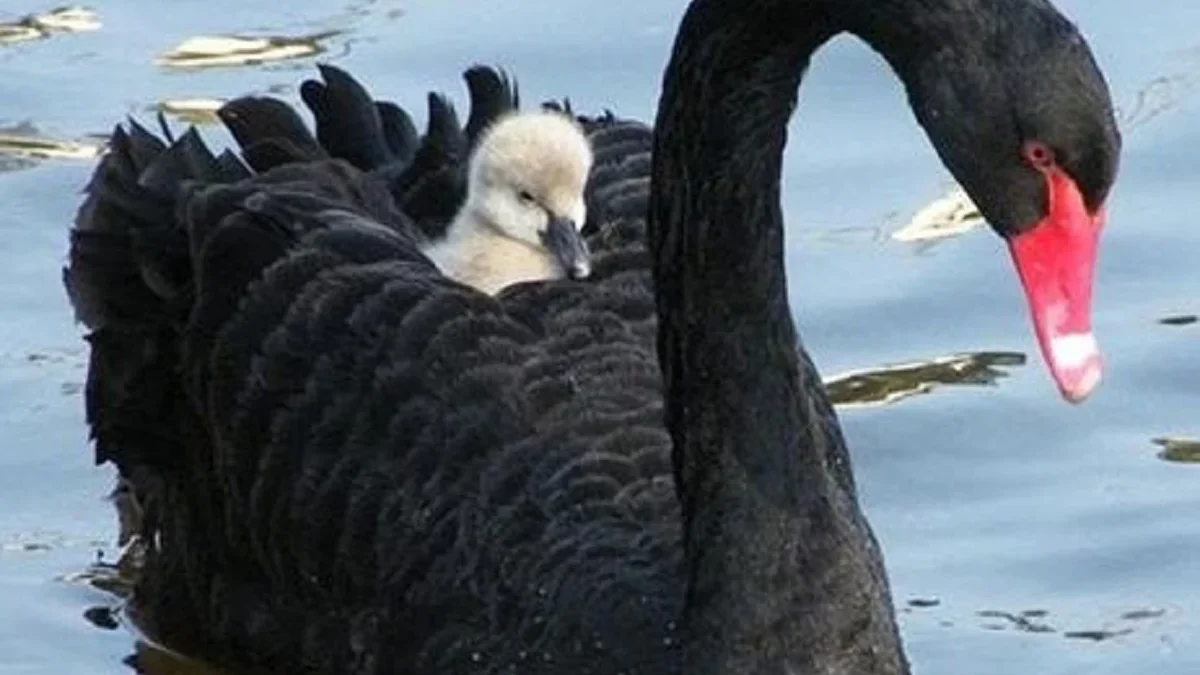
{"type": "Point", "coordinates": [567, 244]}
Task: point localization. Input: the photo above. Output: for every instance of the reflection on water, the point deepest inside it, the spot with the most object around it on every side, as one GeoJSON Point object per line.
{"type": "Point", "coordinates": [889, 384]}
{"type": "Point", "coordinates": [42, 26]}
{"type": "Point", "coordinates": [1037, 621]}
{"type": "Point", "coordinates": [1178, 449]}
{"type": "Point", "coordinates": [15, 163]}
{"type": "Point", "coordinates": [202, 110]}
{"type": "Point", "coordinates": [36, 541]}
{"type": "Point", "coordinates": [153, 659]}
{"type": "Point", "coordinates": [1178, 320]}
{"type": "Point", "coordinates": [1026, 621]}
{"type": "Point", "coordinates": [1161, 94]}
{"type": "Point", "coordinates": [1040, 621]}
{"type": "Point", "coordinates": [235, 50]}
{"type": "Point", "coordinates": [951, 214]}
{"type": "Point", "coordinates": [149, 659]}
{"type": "Point", "coordinates": [196, 111]}
{"type": "Point", "coordinates": [22, 145]}
{"type": "Point", "coordinates": [117, 580]}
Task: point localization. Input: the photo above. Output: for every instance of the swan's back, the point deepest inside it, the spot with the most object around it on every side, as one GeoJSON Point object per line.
{"type": "Point", "coordinates": [358, 466]}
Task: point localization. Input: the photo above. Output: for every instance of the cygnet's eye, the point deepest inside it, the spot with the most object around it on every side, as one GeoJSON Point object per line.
{"type": "Point", "coordinates": [525, 196]}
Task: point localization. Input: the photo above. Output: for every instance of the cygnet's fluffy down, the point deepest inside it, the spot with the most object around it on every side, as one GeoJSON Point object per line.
{"type": "Point", "coordinates": [524, 206]}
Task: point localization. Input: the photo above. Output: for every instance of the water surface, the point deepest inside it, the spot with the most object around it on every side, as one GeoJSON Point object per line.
{"type": "Point", "coordinates": [1022, 535]}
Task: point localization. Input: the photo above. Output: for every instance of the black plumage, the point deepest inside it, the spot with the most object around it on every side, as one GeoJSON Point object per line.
{"type": "Point", "coordinates": [351, 464]}
{"type": "Point", "coordinates": [406, 431]}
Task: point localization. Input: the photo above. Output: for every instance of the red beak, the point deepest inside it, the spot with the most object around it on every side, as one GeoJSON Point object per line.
{"type": "Point", "coordinates": [1055, 261]}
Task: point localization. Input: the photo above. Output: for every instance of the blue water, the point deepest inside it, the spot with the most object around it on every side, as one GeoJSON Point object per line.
{"type": "Point", "coordinates": [996, 499]}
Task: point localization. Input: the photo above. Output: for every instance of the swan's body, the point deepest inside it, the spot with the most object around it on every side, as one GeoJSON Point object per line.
{"type": "Point", "coordinates": [350, 464]}
{"type": "Point", "coordinates": [524, 207]}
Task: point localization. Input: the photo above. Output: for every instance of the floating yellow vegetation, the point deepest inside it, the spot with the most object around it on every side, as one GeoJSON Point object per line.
{"type": "Point", "coordinates": [888, 384]}
{"type": "Point", "coordinates": [951, 214]}
{"type": "Point", "coordinates": [24, 141]}
{"type": "Point", "coordinates": [234, 50]}
{"type": "Point", "coordinates": [192, 110]}
{"type": "Point", "coordinates": [1178, 449]}
{"type": "Point", "coordinates": [72, 19]}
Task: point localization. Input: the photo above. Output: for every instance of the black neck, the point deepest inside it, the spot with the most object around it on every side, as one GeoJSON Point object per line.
{"type": "Point", "coordinates": [785, 573]}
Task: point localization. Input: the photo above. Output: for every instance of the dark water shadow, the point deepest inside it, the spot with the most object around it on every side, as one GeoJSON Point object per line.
{"type": "Point", "coordinates": [1040, 621]}
{"type": "Point", "coordinates": [1179, 320]}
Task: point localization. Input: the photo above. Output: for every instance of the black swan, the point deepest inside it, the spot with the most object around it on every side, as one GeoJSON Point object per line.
{"type": "Point", "coordinates": [348, 463]}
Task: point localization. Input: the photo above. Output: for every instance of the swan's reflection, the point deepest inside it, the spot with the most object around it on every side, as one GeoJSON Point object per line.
{"type": "Point", "coordinates": [888, 384]}
{"type": "Point", "coordinates": [150, 660]}
{"type": "Point", "coordinates": [118, 580]}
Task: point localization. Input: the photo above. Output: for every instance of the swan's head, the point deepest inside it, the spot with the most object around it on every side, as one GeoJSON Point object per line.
{"type": "Point", "coordinates": [1022, 117]}
{"type": "Point", "coordinates": [527, 179]}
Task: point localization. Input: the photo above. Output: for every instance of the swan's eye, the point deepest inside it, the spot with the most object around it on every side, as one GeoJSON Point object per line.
{"type": "Point", "coordinates": [525, 196]}
{"type": "Point", "coordinates": [1038, 154]}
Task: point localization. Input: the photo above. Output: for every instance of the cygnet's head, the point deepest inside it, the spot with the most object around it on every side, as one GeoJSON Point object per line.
{"type": "Point", "coordinates": [527, 179]}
